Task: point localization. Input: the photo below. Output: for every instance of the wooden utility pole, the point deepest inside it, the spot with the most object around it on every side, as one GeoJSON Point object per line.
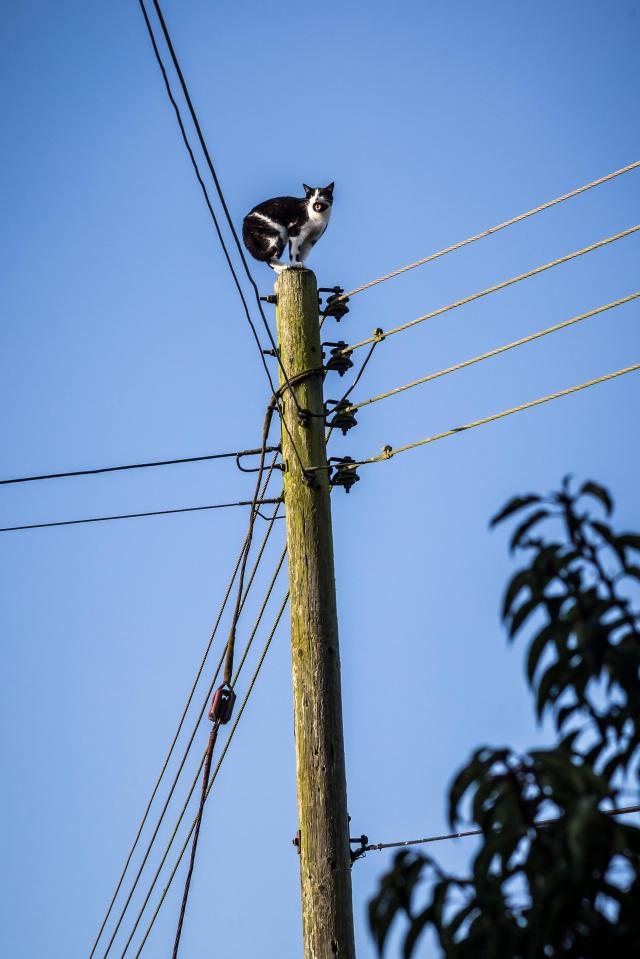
{"type": "Point", "coordinates": [325, 865]}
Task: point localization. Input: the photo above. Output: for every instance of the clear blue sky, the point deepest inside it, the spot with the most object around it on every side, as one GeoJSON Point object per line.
{"type": "Point", "coordinates": [122, 339]}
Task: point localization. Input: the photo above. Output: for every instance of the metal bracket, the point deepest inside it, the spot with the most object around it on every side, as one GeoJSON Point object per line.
{"type": "Point", "coordinates": [344, 474]}
{"type": "Point", "coordinates": [271, 298]}
{"type": "Point", "coordinates": [343, 417]}
{"type": "Point", "coordinates": [340, 360]}
{"type": "Point", "coordinates": [254, 469]}
{"type": "Point", "coordinates": [361, 851]}
{"type": "Point", "coordinates": [333, 306]}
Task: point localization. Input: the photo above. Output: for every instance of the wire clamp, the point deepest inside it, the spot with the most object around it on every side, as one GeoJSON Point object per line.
{"type": "Point", "coordinates": [343, 416]}
{"type": "Point", "coordinates": [379, 334]}
{"type": "Point", "coordinates": [344, 473]}
{"type": "Point", "coordinates": [334, 306]}
{"type": "Point", "coordinates": [387, 451]}
{"type": "Point", "coordinates": [340, 360]}
{"type": "Point", "coordinates": [361, 851]}
{"type": "Point", "coordinates": [222, 704]}
{"type": "Point", "coordinates": [304, 416]}
{"type": "Point", "coordinates": [309, 479]}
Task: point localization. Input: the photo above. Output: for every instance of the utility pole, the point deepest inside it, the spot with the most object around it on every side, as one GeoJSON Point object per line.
{"type": "Point", "coordinates": [325, 863]}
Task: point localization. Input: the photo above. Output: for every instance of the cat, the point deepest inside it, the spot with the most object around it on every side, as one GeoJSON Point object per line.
{"type": "Point", "coordinates": [268, 228]}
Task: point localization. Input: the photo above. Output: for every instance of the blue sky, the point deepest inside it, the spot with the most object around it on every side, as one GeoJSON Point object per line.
{"type": "Point", "coordinates": [122, 340]}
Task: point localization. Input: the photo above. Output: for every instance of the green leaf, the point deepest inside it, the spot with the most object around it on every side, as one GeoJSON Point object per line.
{"type": "Point", "coordinates": [518, 582]}
{"type": "Point", "coordinates": [518, 503]}
{"type": "Point", "coordinates": [522, 613]}
{"type": "Point", "coordinates": [538, 645]}
{"type": "Point", "coordinates": [553, 682]}
{"type": "Point", "coordinates": [524, 527]}
{"type": "Point", "coordinates": [629, 541]}
{"type": "Point", "coordinates": [600, 493]}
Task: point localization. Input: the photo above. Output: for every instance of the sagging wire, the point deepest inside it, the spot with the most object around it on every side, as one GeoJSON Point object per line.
{"type": "Point", "coordinates": [378, 334]}
{"type": "Point", "coordinates": [353, 407]}
{"type": "Point", "coordinates": [493, 229]}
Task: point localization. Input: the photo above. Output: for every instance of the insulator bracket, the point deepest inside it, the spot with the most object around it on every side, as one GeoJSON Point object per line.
{"type": "Point", "coordinates": [343, 416]}
{"type": "Point", "coordinates": [340, 359]}
{"type": "Point", "coordinates": [344, 473]}
{"type": "Point", "coordinates": [333, 306]}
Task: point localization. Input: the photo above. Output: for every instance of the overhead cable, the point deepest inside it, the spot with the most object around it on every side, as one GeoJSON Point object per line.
{"type": "Point", "coordinates": [227, 681]}
{"type": "Point", "coordinates": [156, 512]}
{"type": "Point", "coordinates": [208, 200]}
{"type": "Point", "coordinates": [378, 846]}
{"type": "Point", "coordinates": [200, 766]}
{"type": "Point", "coordinates": [237, 455]}
{"type": "Point", "coordinates": [170, 752]}
{"type": "Point", "coordinates": [500, 349]}
{"type": "Point", "coordinates": [209, 788]}
{"type": "Point", "coordinates": [389, 451]}
{"type": "Point", "coordinates": [380, 334]}
{"type": "Point", "coordinates": [214, 175]}
{"type": "Point", "coordinates": [203, 187]}
{"type": "Point", "coordinates": [492, 229]}
{"type": "Point", "coordinates": [177, 733]}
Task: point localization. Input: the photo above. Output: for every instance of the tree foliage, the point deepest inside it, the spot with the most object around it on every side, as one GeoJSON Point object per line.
{"type": "Point", "coordinates": [568, 889]}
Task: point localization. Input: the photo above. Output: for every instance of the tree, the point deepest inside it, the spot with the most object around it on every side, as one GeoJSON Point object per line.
{"type": "Point", "coordinates": [569, 889]}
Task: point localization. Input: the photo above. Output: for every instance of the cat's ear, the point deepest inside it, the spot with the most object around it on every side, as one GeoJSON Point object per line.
{"type": "Point", "coordinates": [308, 190]}
{"type": "Point", "coordinates": [329, 189]}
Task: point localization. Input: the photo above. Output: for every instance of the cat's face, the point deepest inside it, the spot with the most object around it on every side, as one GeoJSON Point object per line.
{"type": "Point", "coordinates": [321, 196]}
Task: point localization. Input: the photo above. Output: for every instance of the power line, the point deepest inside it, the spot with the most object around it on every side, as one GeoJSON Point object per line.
{"type": "Point", "coordinates": [500, 349]}
{"type": "Point", "coordinates": [212, 170]}
{"type": "Point", "coordinates": [203, 187]}
{"type": "Point", "coordinates": [491, 230]}
{"type": "Point", "coordinates": [209, 788]}
{"type": "Point", "coordinates": [207, 697]}
{"type": "Point", "coordinates": [185, 710]}
{"type": "Point", "coordinates": [378, 846]}
{"type": "Point", "coordinates": [208, 201]}
{"type": "Point", "coordinates": [238, 454]}
{"type": "Point", "coordinates": [157, 512]}
{"type": "Point", "coordinates": [389, 451]}
{"type": "Point", "coordinates": [168, 756]}
{"type": "Point", "coordinates": [379, 335]}
{"type": "Point", "coordinates": [207, 156]}
{"type": "Point", "coordinates": [227, 681]}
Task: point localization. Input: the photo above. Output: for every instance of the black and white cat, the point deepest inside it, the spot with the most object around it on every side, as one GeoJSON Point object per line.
{"type": "Point", "coordinates": [287, 219]}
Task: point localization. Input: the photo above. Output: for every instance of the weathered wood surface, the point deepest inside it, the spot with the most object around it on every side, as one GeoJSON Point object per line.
{"type": "Point", "coordinates": [325, 868]}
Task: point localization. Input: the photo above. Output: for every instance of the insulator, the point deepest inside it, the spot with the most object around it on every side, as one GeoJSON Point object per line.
{"type": "Point", "coordinates": [340, 361]}
{"type": "Point", "coordinates": [345, 474]}
{"type": "Point", "coordinates": [334, 306]}
{"type": "Point", "coordinates": [343, 417]}
{"type": "Point", "coordinates": [222, 704]}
